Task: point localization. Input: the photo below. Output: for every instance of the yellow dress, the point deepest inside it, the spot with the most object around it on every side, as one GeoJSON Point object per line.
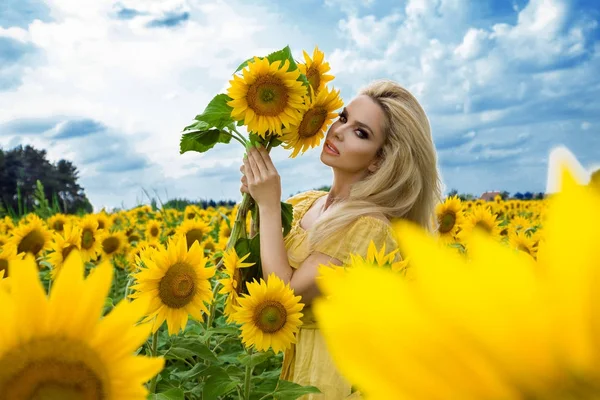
{"type": "Point", "coordinates": [308, 361]}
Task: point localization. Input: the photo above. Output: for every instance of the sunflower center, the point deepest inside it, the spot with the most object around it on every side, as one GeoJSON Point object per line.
{"type": "Point", "coordinates": [4, 266]}
{"type": "Point", "coordinates": [270, 316]}
{"type": "Point", "coordinates": [314, 78]}
{"type": "Point", "coordinates": [227, 231]}
{"type": "Point", "coordinates": [53, 368]}
{"type": "Point", "coordinates": [133, 238]}
{"type": "Point", "coordinates": [100, 224]}
{"type": "Point", "coordinates": [267, 96]}
{"type": "Point", "coordinates": [177, 288]}
{"type": "Point", "coordinates": [194, 235]}
{"type": "Point", "coordinates": [87, 239]}
{"type": "Point", "coordinates": [67, 250]}
{"type": "Point", "coordinates": [191, 215]}
{"type": "Point", "coordinates": [110, 245]}
{"type": "Point", "coordinates": [58, 225]}
{"type": "Point", "coordinates": [210, 246]}
{"type": "Point", "coordinates": [312, 122]}
{"type": "Point", "coordinates": [154, 231]}
{"type": "Point", "coordinates": [31, 243]}
{"type": "Point", "coordinates": [447, 222]}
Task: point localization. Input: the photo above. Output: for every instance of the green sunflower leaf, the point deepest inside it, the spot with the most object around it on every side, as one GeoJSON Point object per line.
{"type": "Point", "coordinates": [217, 113]}
{"type": "Point", "coordinates": [202, 141]}
{"type": "Point", "coordinates": [171, 394]}
{"type": "Point", "coordinates": [287, 215]}
{"type": "Point", "coordinates": [289, 390]}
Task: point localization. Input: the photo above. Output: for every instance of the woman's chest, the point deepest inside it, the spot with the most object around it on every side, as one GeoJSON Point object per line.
{"type": "Point", "coordinates": [314, 212]}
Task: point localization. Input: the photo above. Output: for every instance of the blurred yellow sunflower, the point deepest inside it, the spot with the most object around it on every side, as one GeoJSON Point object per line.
{"type": "Point", "coordinates": [520, 241]}
{"type": "Point", "coordinates": [194, 230]}
{"type": "Point", "coordinates": [450, 217]}
{"type": "Point", "coordinates": [153, 231]}
{"type": "Point", "coordinates": [7, 255]}
{"type": "Point", "coordinates": [60, 347]}
{"type": "Point", "coordinates": [104, 220]}
{"type": "Point", "coordinates": [63, 244]}
{"type": "Point", "coordinates": [191, 211]}
{"type": "Point", "coordinates": [232, 263]}
{"type": "Point", "coordinates": [113, 243]}
{"type": "Point", "coordinates": [224, 230]}
{"type": "Point", "coordinates": [267, 96]}
{"type": "Point", "coordinates": [176, 281]}
{"type": "Point", "coordinates": [91, 238]}
{"type": "Point", "coordinates": [482, 218]}
{"type": "Point", "coordinates": [379, 258]}
{"type": "Point", "coordinates": [317, 114]}
{"type": "Point", "coordinates": [269, 314]}
{"type": "Point", "coordinates": [3, 239]}
{"type": "Point", "coordinates": [143, 248]}
{"type": "Point", "coordinates": [518, 223]}
{"type": "Point", "coordinates": [31, 236]}
{"type": "Point", "coordinates": [315, 70]}
{"type": "Point", "coordinates": [496, 326]}
{"type": "Point", "coordinates": [57, 222]}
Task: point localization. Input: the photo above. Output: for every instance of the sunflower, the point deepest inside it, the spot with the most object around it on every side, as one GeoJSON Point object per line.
{"type": "Point", "coordinates": [143, 248]}
{"type": "Point", "coordinates": [64, 243]}
{"type": "Point", "coordinates": [317, 114]}
{"type": "Point", "coordinates": [520, 241]}
{"type": "Point", "coordinates": [379, 258]}
{"type": "Point", "coordinates": [224, 230]}
{"type": "Point", "coordinates": [315, 70]}
{"type": "Point", "coordinates": [191, 211]}
{"type": "Point", "coordinates": [232, 263]}
{"type": "Point", "coordinates": [91, 238]}
{"type": "Point", "coordinates": [7, 255]}
{"type": "Point", "coordinates": [492, 327]}
{"type": "Point", "coordinates": [269, 315]}
{"type": "Point", "coordinates": [482, 218]}
{"type": "Point", "coordinates": [57, 222]}
{"type": "Point", "coordinates": [153, 230]}
{"type": "Point", "coordinates": [31, 236]}
{"type": "Point", "coordinates": [194, 230]}
{"type": "Point", "coordinates": [519, 223]}
{"type": "Point", "coordinates": [450, 217]}
{"type": "Point", "coordinates": [176, 281]}
{"type": "Point", "coordinates": [60, 347]}
{"type": "Point", "coordinates": [3, 239]}
{"type": "Point", "coordinates": [209, 245]}
{"type": "Point", "coordinates": [104, 221]}
{"type": "Point", "coordinates": [113, 243]}
{"type": "Point", "coordinates": [267, 96]}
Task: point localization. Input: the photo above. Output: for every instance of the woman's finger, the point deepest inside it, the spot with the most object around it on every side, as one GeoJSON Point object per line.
{"type": "Point", "coordinates": [242, 169]}
{"type": "Point", "coordinates": [244, 189]}
{"type": "Point", "coordinates": [248, 170]}
{"type": "Point", "coordinates": [266, 157]}
{"type": "Point", "coordinates": [257, 164]}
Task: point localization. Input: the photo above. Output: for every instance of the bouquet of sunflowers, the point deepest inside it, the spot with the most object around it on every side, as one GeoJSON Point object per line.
{"type": "Point", "coordinates": [273, 101]}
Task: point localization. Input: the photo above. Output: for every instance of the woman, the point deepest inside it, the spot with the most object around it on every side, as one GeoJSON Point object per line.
{"type": "Point", "coordinates": [384, 167]}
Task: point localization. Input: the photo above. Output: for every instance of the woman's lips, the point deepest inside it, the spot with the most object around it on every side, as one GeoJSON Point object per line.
{"type": "Point", "coordinates": [331, 149]}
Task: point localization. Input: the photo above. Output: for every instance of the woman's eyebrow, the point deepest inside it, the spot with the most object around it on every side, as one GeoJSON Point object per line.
{"type": "Point", "coordinates": [361, 124]}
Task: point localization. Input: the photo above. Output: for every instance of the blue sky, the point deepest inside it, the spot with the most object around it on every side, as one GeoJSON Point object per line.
{"type": "Point", "coordinates": [110, 85]}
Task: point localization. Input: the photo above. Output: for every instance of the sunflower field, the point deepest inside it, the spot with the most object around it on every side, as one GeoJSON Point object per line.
{"type": "Point", "coordinates": [166, 259]}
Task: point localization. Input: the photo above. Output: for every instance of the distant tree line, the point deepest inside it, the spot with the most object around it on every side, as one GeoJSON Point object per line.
{"type": "Point", "coordinates": [180, 204]}
{"type": "Point", "coordinates": [21, 168]}
{"type": "Point", "coordinates": [504, 195]}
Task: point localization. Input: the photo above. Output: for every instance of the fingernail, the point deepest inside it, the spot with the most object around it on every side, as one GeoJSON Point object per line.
{"type": "Point", "coordinates": [257, 145]}
{"type": "Point", "coordinates": [245, 156]}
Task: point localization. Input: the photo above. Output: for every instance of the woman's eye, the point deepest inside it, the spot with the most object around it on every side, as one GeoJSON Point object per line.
{"type": "Point", "coordinates": [361, 134]}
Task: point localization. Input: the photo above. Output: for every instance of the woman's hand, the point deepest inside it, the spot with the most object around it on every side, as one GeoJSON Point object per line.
{"type": "Point", "coordinates": [260, 178]}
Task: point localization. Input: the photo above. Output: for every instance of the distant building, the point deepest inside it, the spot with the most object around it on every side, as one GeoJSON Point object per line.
{"type": "Point", "coordinates": [489, 196]}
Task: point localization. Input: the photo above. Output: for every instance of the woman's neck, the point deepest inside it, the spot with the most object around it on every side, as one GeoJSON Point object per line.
{"type": "Point", "coordinates": [340, 188]}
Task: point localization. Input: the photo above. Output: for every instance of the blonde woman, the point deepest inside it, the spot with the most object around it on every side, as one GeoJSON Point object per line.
{"type": "Point", "coordinates": [384, 167]}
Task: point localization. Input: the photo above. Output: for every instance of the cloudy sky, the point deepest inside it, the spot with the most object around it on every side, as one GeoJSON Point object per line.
{"type": "Point", "coordinates": [110, 84]}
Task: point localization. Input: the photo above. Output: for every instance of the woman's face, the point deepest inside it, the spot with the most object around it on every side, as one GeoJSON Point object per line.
{"type": "Point", "coordinates": [355, 137]}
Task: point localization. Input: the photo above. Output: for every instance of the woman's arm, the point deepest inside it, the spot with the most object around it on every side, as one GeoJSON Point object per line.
{"type": "Point", "coordinates": [264, 185]}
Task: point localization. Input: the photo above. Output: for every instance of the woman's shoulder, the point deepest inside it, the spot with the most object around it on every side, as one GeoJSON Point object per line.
{"type": "Point", "coordinates": [303, 196]}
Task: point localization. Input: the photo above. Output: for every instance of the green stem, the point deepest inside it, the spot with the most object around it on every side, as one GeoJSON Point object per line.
{"type": "Point", "coordinates": [154, 354]}
{"type": "Point", "coordinates": [247, 379]}
{"type": "Point", "coordinates": [211, 308]}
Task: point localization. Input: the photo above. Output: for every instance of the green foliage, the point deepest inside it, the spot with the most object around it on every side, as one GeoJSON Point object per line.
{"type": "Point", "coordinates": [210, 127]}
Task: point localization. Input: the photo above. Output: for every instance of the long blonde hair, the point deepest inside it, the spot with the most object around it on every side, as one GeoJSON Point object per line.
{"type": "Point", "coordinates": [407, 184]}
